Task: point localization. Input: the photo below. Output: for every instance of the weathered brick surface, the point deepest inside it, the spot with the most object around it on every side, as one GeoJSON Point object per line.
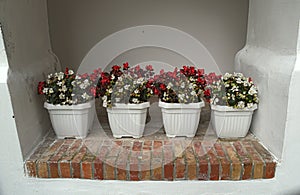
{"type": "Point", "coordinates": [141, 159]}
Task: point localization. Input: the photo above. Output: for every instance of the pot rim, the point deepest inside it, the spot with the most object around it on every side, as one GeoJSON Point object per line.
{"type": "Point", "coordinates": [197, 105]}
{"type": "Point", "coordinates": [130, 106]}
{"type": "Point", "coordinates": [228, 108]}
{"type": "Point", "coordinates": [85, 105]}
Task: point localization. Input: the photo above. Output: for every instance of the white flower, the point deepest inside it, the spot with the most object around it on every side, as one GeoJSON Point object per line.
{"type": "Point", "coordinates": [241, 104]}
{"type": "Point", "coordinates": [135, 100]}
{"type": "Point", "coordinates": [85, 96]}
{"type": "Point", "coordinates": [51, 90]}
{"type": "Point", "coordinates": [250, 105]}
{"type": "Point", "coordinates": [182, 85]}
{"type": "Point", "coordinates": [61, 96]}
{"type": "Point", "coordinates": [193, 93]}
{"type": "Point", "coordinates": [121, 89]}
{"type": "Point", "coordinates": [120, 79]}
{"type": "Point", "coordinates": [73, 83]}
{"type": "Point", "coordinates": [64, 88]}
{"type": "Point", "coordinates": [239, 80]}
{"type": "Point", "coordinates": [140, 80]}
{"type": "Point", "coordinates": [70, 72]}
{"type": "Point", "coordinates": [104, 104]}
{"type": "Point", "coordinates": [110, 90]}
{"type": "Point", "coordinates": [136, 91]}
{"type": "Point", "coordinates": [59, 83]}
{"type": "Point", "coordinates": [45, 90]}
{"type": "Point", "coordinates": [50, 76]}
{"type": "Point", "coordinates": [170, 85]}
{"type": "Point", "coordinates": [227, 76]}
{"type": "Point", "coordinates": [104, 98]}
{"type": "Point", "coordinates": [181, 96]}
{"type": "Point", "coordinates": [77, 77]}
{"type": "Point", "coordinates": [252, 91]}
{"type": "Point", "coordinates": [191, 86]}
{"type": "Point", "coordinates": [113, 77]}
{"type": "Point", "coordinates": [126, 87]}
{"type": "Point", "coordinates": [60, 76]}
{"type": "Point", "coordinates": [82, 86]}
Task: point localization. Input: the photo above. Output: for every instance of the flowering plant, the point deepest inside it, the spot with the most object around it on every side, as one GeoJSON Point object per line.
{"type": "Point", "coordinates": [67, 88]}
{"type": "Point", "coordinates": [234, 90]}
{"type": "Point", "coordinates": [180, 86]}
{"type": "Point", "coordinates": [125, 85]}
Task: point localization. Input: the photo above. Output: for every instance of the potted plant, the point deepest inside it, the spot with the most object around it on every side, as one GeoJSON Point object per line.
{"type": "Point", "coordinates": [180, 100]}
{"type": "Point", "coordinates": [70, 102]}
{"type": "Point", "coordinates": [125, 92]}
{"type": "Point", "coordinates": [233, 98]}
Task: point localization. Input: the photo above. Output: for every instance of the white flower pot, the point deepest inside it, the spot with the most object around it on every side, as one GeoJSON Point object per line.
{"type": "Point", "coordinates": [71, 121]}
{"type": "Point", "coordinates": [229, 122]}
{"type": "Point", "coordinates": [181, 119]}
{"type": "Point", "coordinates": [128, 120]}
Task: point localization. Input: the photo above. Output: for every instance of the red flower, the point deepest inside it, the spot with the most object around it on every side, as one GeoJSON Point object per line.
{"type": "Point", "coordinates": [192, 71]}
{"type": "Point", "coordinates": [156, 91]}
{"type": "Point", "coordinates": [84, 76]}
{"type": "Point", "coordinates": [93, 91]}
{"type": "Point", "coordinates": [41, 87]}
{"type": "Point", "coordinates": [116, 68]}
{"type": "Point", "coordinates": [207, 92]}
{"type": "Point", "coordinates": [201, 81]}
{"type": "Point", "coordinates": [137, 68]}
{"type": "Point", "coordinates": [250, 80]}
{"type": "Point", "coordinates": [125, 65]}
{"type": "Point", "coordinates": [200, 72]}
{"type": "Point", "coordinates": [66, 71]}
{"type": "Point", "coordinates": [149, 68]}
{"type": "Point", "coordinates": [162, 71]}
{"type": "Point", "coordinates": [162, 87]}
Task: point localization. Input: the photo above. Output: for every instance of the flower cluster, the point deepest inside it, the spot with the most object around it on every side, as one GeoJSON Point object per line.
{"type": "Point", "coordinates": [67, 88]}
{"type": "Point", "coordinates": [125, 85]}
{"type": "Point", "coordinates": [180, 86]}
{"type": "Point", "coordinates": [234, 90]}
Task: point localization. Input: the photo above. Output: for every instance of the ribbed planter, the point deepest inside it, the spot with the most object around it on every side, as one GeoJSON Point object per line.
{"type": "Point", "coordinates": [181, 119]}
{"type": "Point", "coordinates": [71, 121]}
{"type": "Point", "coordinates": [128, 120]}
{"type": "Point", "coordinates": [229, 122]}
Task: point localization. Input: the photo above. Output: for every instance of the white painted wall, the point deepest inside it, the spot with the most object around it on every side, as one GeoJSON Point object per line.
{"type": "Point", "coordinates": [76, 25]}
{"type": "Point", "coordinates": [269, 58]}
{"type": "Point", "coordinates": [13, 181]}
{"type": "Point", "coordinates": [25, 26]}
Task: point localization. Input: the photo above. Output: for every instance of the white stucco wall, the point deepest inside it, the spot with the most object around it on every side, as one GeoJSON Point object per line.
{"type": "Point", "coordinates": [25, 28]}
{"type": "Point", "coordinates": [269, 58]}
{"type": "Point", "coordinates": [13, 181]}
{"type": "Point", "coordinates": [76, 25]}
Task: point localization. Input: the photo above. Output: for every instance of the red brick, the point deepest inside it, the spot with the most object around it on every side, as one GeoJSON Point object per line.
{"type": "Point", "coordinates": [156, 167]}
{"type": "Point", "coordinates": [109, 167]}
{"type": "Point", "coordinates": [134, 172]}
{"type": "Point", "coordinates": [225, 173]}
{"type": "Point", "coordinates": [65, 169]}
{"type": "Point", "coordinates": [258, 171]}
{"type": "Point", "coordinates": [213, 161]}
{"type": "Point", "coordinates": [157, 144]}
{"type": "Point", "coordinates": [246, 161]}
{"type": "Point", "coordinates": [270, 170]}
{"type": "Point", "coordinates": [87, 167]}
{"type": "Point", "coordinates": [76, 170]}
{"type": "Point", "coordinates": [180, 168]}
{"type": "Point", "coordinates": [191, 164]}
{"type": "Point", "coordinates": [42, 168]}
{"type": "Point", "coordinates": [98, 169]}
{"type": "Point", "coordinates": [236, 164]}
{"type": "Point", "coordinates": [145, 171]}
{"type": "Point", "coordinates": [31, 168]}
{"type": "Point", "coordinates": [247, 173]}
{"type": "Point", "coordinates": [168, 171]}
{"type": "Point", "coordinates": [53, 167]}
{"type": "Point", "coordinates": [121, 171]}
{"type": "Point", "coordinates": [137, 146]}
{"type": "Point", "coordinates": [119, 143]}
{"type": "Point", "coordinates": [75, 163]}
{"type": "Point", "coordinates": [147, 143]}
